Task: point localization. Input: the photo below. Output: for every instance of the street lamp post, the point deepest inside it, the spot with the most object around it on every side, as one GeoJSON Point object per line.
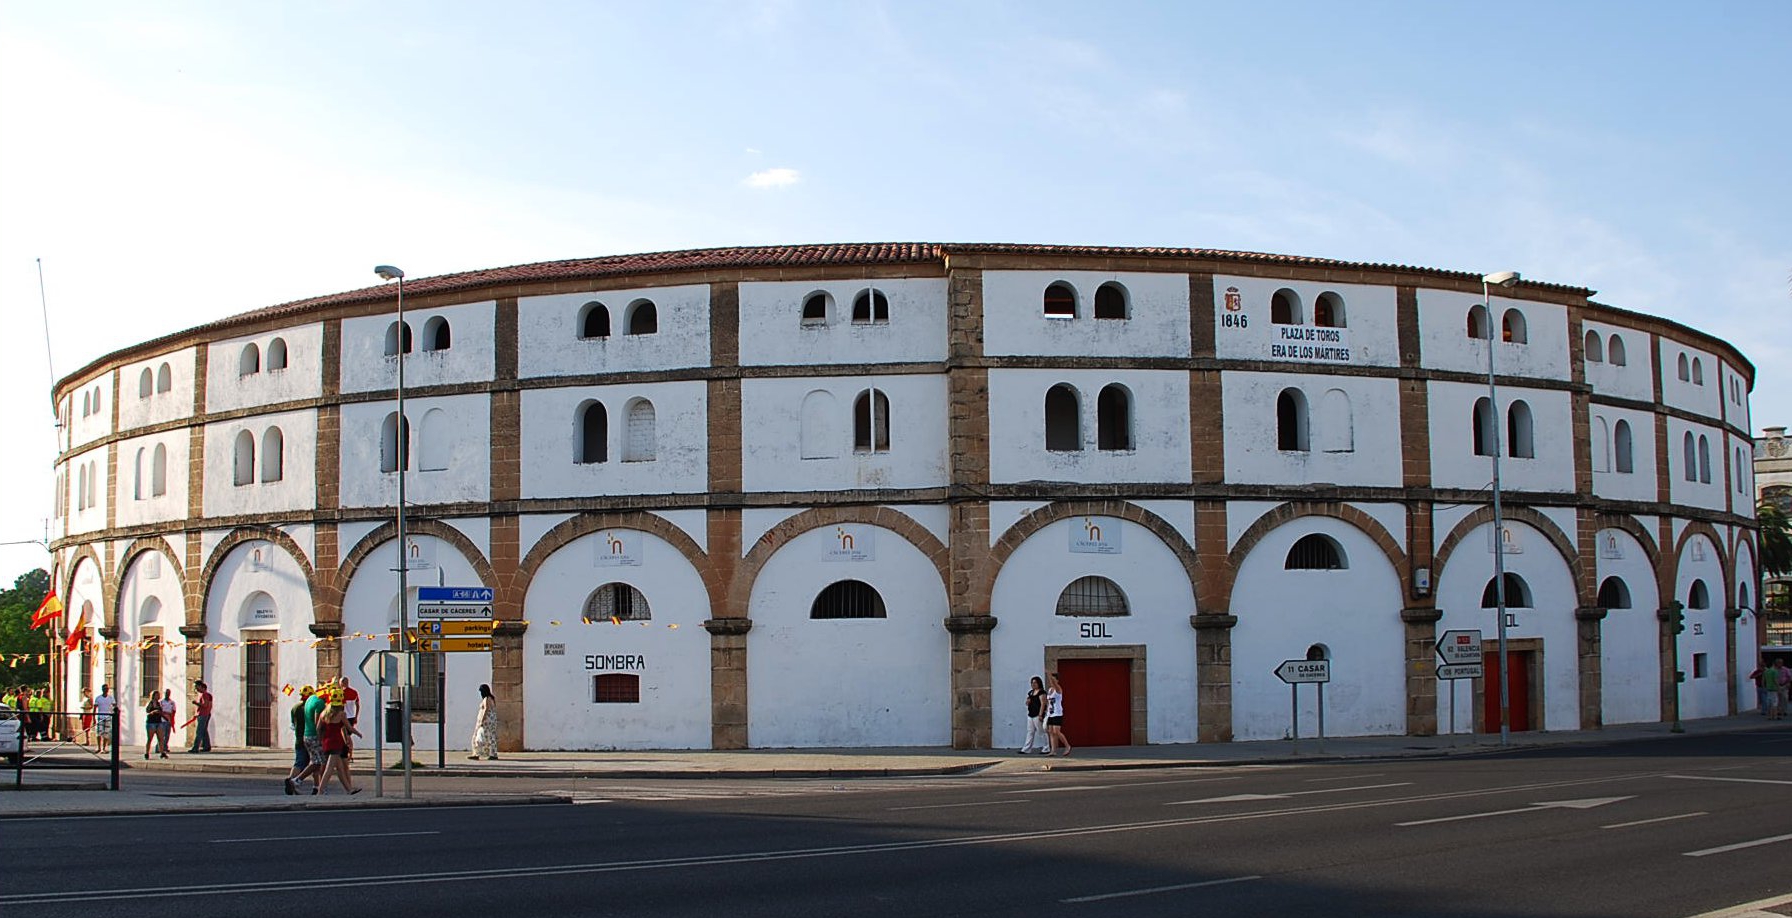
{"type": "Point", "coordinates": [1505, 279]}
{"type": "Point", "coordinates": [402, 457]}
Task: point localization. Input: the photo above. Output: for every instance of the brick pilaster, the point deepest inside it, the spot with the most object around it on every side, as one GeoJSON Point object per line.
{"type": "Point", "coordinates": [1588, 624]}
{"type": "Point", "coordinates": [1213, 676]}
{"type": "Point", "coordinates": [508, 631]}
{"type": "Point", "coordinates": [728, 682]}
{"type": "Point", "coordinates": [1420, 626]}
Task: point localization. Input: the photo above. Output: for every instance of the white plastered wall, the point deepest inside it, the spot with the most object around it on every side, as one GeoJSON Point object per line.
{"type": "Point", "coordinates": [548, 342]}
{"type": "Point", "coordinates": [84, 590]}
{"type": "Point", "coordinates": [138, 410]}
{"type": "Point", "coordinates": [1639, 484]}
{"type": "Point", "coordinates": [1748, 647]}
{"type": "Point", "coordinates": [466, 418]}
{"type": "Point", "coordinates": [1696, 493]}
{"type": "Point", "coordinates": [551, 440]}
{"type": "Point", "coordinates": [134, 488]}
{"type": "Point", "coordinates": [772, 332]}
{"type": "Point", "coordinates": [1702, 696]}
{"type": "Point", "coordinates": [1014, 320]}
{"type": "Point", "coordinates": [1453, 460]}
{"type": "Point", "coordinates": [470, 357]}
{"type": "Point", "coordinates": [1636, 378]}
{"type": "Point", "coordinates": [1629, 639]}
{"type": "Point", "coordinates": [1706, 398]}
{"type": "Point", "coordinates": [151, 576]}
{"type": "Point", "coordinates": [229, 613]}
{"type": "Point", "coordinates": [227, 388]}
{"type": "Point", "coordinates": [1444, 343]}
{"type": "Point", "coordinates": [1159, 427]}
{"type": "Point", "coordinates": [1368, 337]}
{"type": "Point", "coordinates": [771, 434]}
{"type": "Point", "coordinates": [1370, 428]}
{"type": "Point", "coordinates": [295, 490]}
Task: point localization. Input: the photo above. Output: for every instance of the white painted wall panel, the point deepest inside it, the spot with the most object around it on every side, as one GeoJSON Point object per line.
{"type": "Point", "coordinates": [772, 332]}
{"type": "Point", "coordinates": [228, 387]}
{"type": "Point", "coordinates": [771, 423]}
{"type": "Point", "coordinates": [1159, 428]}
{"type": "Point", "coordinates": [1243, 330]}
{"type": "Point", "coordinates": [680, 463]}
{"type": "Point", "coordinates": [1014, 320]}
{"type": "Point", "coordinates": [548, 342]}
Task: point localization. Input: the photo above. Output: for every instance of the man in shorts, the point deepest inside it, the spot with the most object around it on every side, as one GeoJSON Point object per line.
{"type": "Point", "coordinates": [104, 707]}
{"type": "Point", "coordinates": [314, 746]}
{"type": "Point", "coordinates": [302, 763]}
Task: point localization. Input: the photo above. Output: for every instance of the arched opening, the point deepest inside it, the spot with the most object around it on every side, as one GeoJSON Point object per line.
{"type": "Point", "coordinates": [395, 444]}
{"type": "Point", "coordinates": [1284, 307]}
{"type": "Point", "coordinates": [1518, 431]}
{"type": "Point", "coordinates": [435, 441]}
{"type": "Point", "coordinates": [244, 464]}
{"type": "Point", "coordinates": [1614, 351]}
{"type": "Point", "coordinates": [1060, 301]}
{"type": "Point", "coordinates": [1477, 322]}
{"type": "Point", "coordinates": [594, 320]}
{"type": "Point", "coordinates": [593, 433]}
{"type": "Point", "coordinates": [1319, 652]}
{"type": "Point", "coordinates": [137, 473]}
{"type": "Point", "coordinates": [1063, 419]}
{"type": "Point", "coordinates": [146, 384]}
{"type": "Point", "coordinates": [1614, 594]}
{"type": "Point", "coordinates": [1698, 597]}
{"type": "Point", "coordinates": [277, 354]}
{"type": "Point", "coordinates": [1328, 310]}
{"type": "Point", "coordinates": [1111, 301]}
{"type": "Point", "coordinates": [818, 425]}
{"type": "Point", "coordinates": [1622, 460]}
{"type": "Point", "coordinates": [847, 599]}
{"type": "Point", "coordinates": [1092, 596]}
{"type": "Point", "coordinates": [1684, 369]}
{"type": "Point", "coordinates": [616, 602]}
{"type": "Point", "coordinates": [1337, 424]}
{"type": "Point", "coordinates": [1594, 347]}
{"type": "Point", "coordinates": [273, 455]}
{"type": "Point", "coordinates": [164, 378]}
{"type": "Point", "coordinates": [437, 336]}
{"type": "Point", "coordinates": [870, 306]}
{"type": "Point", "coordinates": [1291, 421]}
{"type": "Point", "coordinates": [1113, 418]}
{"type": "Point", "coordinates": [871, 422]}
{"type": "Point", "coordinates": [1512, 327]}
{"type": "Point", "coordinates": [1689, 457]}
{"type": "Point", "coordinates": [158, 471]}
{"type": "Point", "coordinates": [398, 339]}
{"type": "Point", "coordinates": [1704, 459]}
{"type": "Point", "coordinates": [1315, 552]}
{"type": "Point", "coordinates": [640, 445]}
{"type": "Point", "coordinates": [1518, 593]}
{"type": "Point", "coordinates": [1602, 445]}
{"type": "Point", "coordinates": [815, 309]}
{"type": "Point", "coordinates": [643, 318]}
{"type": "Point", "coordinates": [249, 362]}
{"type": "Point", "coordinates": [1698, 372]}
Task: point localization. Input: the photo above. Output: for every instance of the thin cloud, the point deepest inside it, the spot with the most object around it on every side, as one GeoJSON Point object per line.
{"type": "Point", "coordinates": [773, 178]}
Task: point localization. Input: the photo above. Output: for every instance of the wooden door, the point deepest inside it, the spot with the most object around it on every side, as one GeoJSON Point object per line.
{"type": "Point", "coordinates": [1518, 680]}
{"type": "Point", "coordinates": [1097, 701]}
{"type": "Point", "coordinates": [258, 694]}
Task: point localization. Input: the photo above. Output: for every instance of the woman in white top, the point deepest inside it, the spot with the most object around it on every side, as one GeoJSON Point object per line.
{"type": "Point", "coordinates": [1054, 717]}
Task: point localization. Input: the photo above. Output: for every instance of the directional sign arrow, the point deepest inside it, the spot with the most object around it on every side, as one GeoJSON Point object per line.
{"type": "Point", "coordinates": [371, 666]}
{"type": "Point", "coordinates": [1240, 798]}
{"type": "Point", "coordinates": [1585, 804]}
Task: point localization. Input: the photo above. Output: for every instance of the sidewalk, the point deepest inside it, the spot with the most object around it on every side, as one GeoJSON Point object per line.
{"type": "Point", "coordinates": [758, 763]}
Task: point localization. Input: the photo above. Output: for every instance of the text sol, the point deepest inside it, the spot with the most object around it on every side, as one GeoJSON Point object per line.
{"type": "Point", "coordinates": [1088, 630]}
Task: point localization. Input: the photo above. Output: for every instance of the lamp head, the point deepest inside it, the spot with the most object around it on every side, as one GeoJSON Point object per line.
{"type": "Point", "coordinates": [387, 272]}
{"type": "Point", "coordinates": [1502, 279]}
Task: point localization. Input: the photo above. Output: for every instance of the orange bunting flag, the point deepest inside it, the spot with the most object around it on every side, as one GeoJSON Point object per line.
{"type": "Point", "coordinates": [47, 611]}
{"type": "Point", "coordinates": [286, 689]}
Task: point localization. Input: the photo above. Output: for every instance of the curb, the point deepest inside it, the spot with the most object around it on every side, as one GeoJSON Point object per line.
{"type": "Point", "coordinates": [632, 774]}
{"type": "Point", "coordinates": [282, 804]}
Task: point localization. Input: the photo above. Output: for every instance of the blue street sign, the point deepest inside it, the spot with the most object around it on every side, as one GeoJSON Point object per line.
{"type": "Point", "coordinates": [454, 594]}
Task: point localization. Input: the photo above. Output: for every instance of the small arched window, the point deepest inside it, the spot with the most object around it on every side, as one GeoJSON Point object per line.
{"type": "Point", "coordinates": [1685, 368]}
{"type": "Point", "coordinates": [1614, 351]}
{"type": "Point", "coordinates": [1518, 593]}
{"type": "Point", "coordinates": [593, 434]}
{"type": "Point", "coordinates": [1060, 301]}
{"type": "Point", "coordinates": [1602, 445]}
{"type": "Point", "coordinates": [1092, 596]}
{"type": "Point", "coordinates": [815, 309]}
{"type": "Point", "coordinates": [1315, 552]}
{"type": "Point", "coordinates": [137, 474]}
{"type": "Point", "coordinates": [435, 441]}
{"type": "Point", "coordinates": [1614, 594]}
{"type": "Point", "coordinates": [1111, 301]}
{"type": "Point", "coordinates": [1698, 372]}
{"type": "Point", "coordinates": [1337, 426]}
{"type": "Point", "coordinates": [164, 378]}
{"type": "Point", "coordinates": [158, 471]}
{"type": "Point", "coordinates": [249, 362]}
{"type": "Point", "coordinates": [594, 320]}
{"type": "Point", "coordinates": [1742, 596]}
{"type": "Point", "coordinates": [1704, 459]}
{"type": "Point", "coordinates": [640, 444]}
{"type": "Point", "coordinates": [1291, 421]}
{"type": "Point", "coordinates": [871, 422]}
{"type": "Point", "coordinates": [1595, 348]}
{"type": "Point", "coordinates": [1483, 429]}
{"type": "Point", "coordinates": [277, 354]}
{"type": "Point", "coordinates": [1063, 419]}
{"type": "Point", "coordinates": [1477, 322]}
{"type": "Point", "coordinates": [870, 307]}
{"type": "Point", "coordinates": [146, 384]}
{"type": "Point", "coordinates": [1512, 327]}
{"type": "Point", "coordinates": [395, 444]}
{"type": "Point", "coordinates": [273, 455]}
{"type": "Point", "coordinates": [1284, 307]}
{"type": "Point", "coordinates": [1328, 310]}
{"type": "Point", "coordinates": [643, 318]}
{"type": "Point", "coordinates": [244, 464]}
{"type": "Point", "coordinates": [1518, 431]}
{"type": "Point", "coordinates": [616, 602]}
{"type": "Point", "coordinates": [1689, 457]}
{"type": "Point", "coordinates": [437, 336]}
{"type": "Point", "coordinates": [847, 599]}
{"type": "Point", "coordinates": [1698, 597]}
{"type": "Point", "coordinates": [398, 339]}
{"type": "Point", "coordinates": [818, 425]}
{"type": "Point", "coordinates": [1113, 418]}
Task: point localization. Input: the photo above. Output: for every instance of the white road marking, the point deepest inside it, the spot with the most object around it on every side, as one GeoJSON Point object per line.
{"type": "Point", "coordinates": [1058, 790]}
{"type": "Point", "coordinates": [1735, 780]}
{"type": "Point", "coordinates": [1644, 822]}
{"type": "Point", "coordinates": [1376, 774]}
{"type": "Point", "coordinates": [1239, 798]}
{"type": "Point", "coordinates": [1159, 889]}
{"type": "Point", "coordinates": [953, 806]}
{"type": "Point", "coordinates": [1585, 804]}
{"type": "Point", "coordinates": [1739, 846]}
{"type": "Point", "coordinates": [220, 841]}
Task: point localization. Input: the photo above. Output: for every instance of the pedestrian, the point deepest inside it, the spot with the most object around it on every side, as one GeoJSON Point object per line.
{"type": "Point", "coordinates": [105, 707]}
{"type": "Point", "coordinates": [86, 715]}
{"type": "Point", "coordinates": [351, 705]}
{"type": "Point", "coordinates": [168, 718]}
{"type": "Point", "coordinates": [485, 725]}
{"type": "Point", "coordinates": [302, 766]}
{"type": "Point", "coordinates": [1763, 699]}
{"type": "Point", "coordinates": [332, 732]}
{"type": "Point", "coordinates": [40, 713]}
{"type": "Point", "coordinates": [314, 748]}
{"type": "Point", "coordinates": [1036, 734]}
{"type": "Point", "coordinates": [1784, 678]}
{"type": "Point", "coordinates": [202, 740]}
{"type": "Point", "coordinates": [1054, 717]}
{"type": "Point", "coordinates": [152, 724]}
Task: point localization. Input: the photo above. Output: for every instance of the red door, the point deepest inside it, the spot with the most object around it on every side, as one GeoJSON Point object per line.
{"type": "Point", "coordinates": [1518, 678]}
{"type": "Point", "coordinates": [1097, 701]}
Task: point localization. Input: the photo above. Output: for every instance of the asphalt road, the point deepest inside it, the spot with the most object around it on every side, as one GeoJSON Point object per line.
{"type": "Point", "coordinates": [1662, 828]}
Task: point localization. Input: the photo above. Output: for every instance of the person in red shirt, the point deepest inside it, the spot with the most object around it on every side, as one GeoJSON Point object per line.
{"type": "Point", "coordinates": [202, 740]}
{"type": "Point", "coordinates": [351, 706]}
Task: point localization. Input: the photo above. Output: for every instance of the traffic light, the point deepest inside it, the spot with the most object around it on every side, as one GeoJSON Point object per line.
{"type": "Point", "coordinates": [1677, 618]}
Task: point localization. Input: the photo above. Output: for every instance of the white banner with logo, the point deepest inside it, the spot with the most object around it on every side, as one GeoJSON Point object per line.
{"type": "Point", "coordinates": [851, 543]}
{"type": "Point", "coordinates": [1095, 535]}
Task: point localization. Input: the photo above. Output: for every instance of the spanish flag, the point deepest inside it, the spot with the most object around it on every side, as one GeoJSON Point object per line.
{"type": "Point", "coordinates": [47, 611]}
{"type": "Point", "coordinates": [76, 633]}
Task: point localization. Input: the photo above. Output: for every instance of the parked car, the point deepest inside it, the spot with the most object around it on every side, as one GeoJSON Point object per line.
{"type": "Point", "coordinates": [12, 745]}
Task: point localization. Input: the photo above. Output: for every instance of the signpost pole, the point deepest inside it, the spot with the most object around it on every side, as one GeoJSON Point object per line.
{"type": "Point", "coordinates": [1321, 717]}
{"type": "Point", "coordinates": [1452, 712]}
{"type": "Point", "coordinates": [1294, 715]}
{"type": "Point", "coordinates": [442, 715]}
{"type": "Point", "coordinates": [379, 733]}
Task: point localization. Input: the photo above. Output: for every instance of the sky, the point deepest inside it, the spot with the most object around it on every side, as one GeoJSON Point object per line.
{"type": "Point", "coordinates": [173, 163]}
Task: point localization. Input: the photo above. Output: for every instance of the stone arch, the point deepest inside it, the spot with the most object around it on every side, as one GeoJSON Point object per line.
{"type": "Point", "coordinates": [1294, 510]}
{"type": "Point", "coordinates": [237, 537]}
{"type": "Point", "coordinates": [108, 587]}
{"type": "Point", "coordinates": [144, 545]}
{"type": "Point", "coordinates": [1725, 559]}
{"type": "Point", "coordinates": [1526, 515]}
{"type": "Point", "coordinates": [510, 596]}
{"type": "Point", "coordinates": [984, 581]}
{"type": "Point", "coordinates": [735, 606]}
{"type": "Point", "coordinates": [1743, 539]}
{"type": "Point", "coordinates": [1627, 524]}
{"type": "Point", "coordinates": [386, 532]}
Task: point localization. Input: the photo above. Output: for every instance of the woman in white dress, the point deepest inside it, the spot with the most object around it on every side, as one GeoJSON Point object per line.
{"type": "Point", "coordinates": [1054, 717]}
{"type": "Point", "coordinates": [485, 725]}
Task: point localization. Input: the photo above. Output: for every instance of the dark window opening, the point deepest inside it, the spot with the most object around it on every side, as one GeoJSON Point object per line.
{"type": "Point", "coordinates": [615, 688]}
{"type": "Point", "coordinates": [1314, 553]}
{"type": "Point", "coordinates": [1110, 302]}
{"type": "Point", "coordinates": [1060, 301]}
{"type": "Point", "coordinates": [848, 599]}
{"type": "Point", "coordinates": [1092, 596]}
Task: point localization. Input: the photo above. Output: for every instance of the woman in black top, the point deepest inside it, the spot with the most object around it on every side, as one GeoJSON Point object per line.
{"type": "Point", "coordinates": [1036, 738]}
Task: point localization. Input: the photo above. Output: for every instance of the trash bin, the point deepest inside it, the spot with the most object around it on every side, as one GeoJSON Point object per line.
{"type": "Point", "coordinates": [394, 721]}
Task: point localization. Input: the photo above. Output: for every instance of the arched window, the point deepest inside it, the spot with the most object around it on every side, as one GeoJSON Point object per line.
{"type": "Point", "coordinates": [164, 378]}
{"type": "Point", "coordinates": [273, 455]}
{"type": "Point", "coordinates": [1291, 421]}
{"type": "Point", "coordinates": [1060, 301]}
{"type": "Point", "coordinates": [616, 602]}
{"type": "Point", "coordinates": [1685, 369]}
{"type": "Point", "coordinates": [81, 489]}
{"type": "Point", "coordinates": [1092, 596]}
{"type": "Point", "coordinates": [1111, 301]}
{"type": "Point", "coordinates": [146, 384]}
{"type": "Point", "coordinates": [870, 306]}
{"type": "Point", "coordinates": [1063, 419]}
{"type": "Point", "coordinates": [1613, 594]}
{"type": "Point", "coordinates": [249, 362]}
{"type": "Point", "coordinates": [395, 445]}
{"type": "Point", "coordinates": [848, 599]}
{"type": "Point", "coordinates": [158, 471]}
{"type": "Point", "coordinates": [398, 339]}
{"type": "Point", "coordinates": [1698, 372]}
{"type": "Point", "coordinates": [815, 308]}
{"type": "Point", "coordinates": [1689, 456]}
{"type": "Point", "coordinates": [437, 336]}
{"type": "Point", "coordinates": [818, 425]}
{"type": "Point", "coordinates": [1315, 552]}
{"type": "Point", "coordinates": [1595, 348]}
{"type": "Point", "coordinates": [1113, 418]}
{"type": "Point", "coordinates": [1477, 322]}
{"type": "Point", "coordinates": [1614, 351]}
{"type": "Point", "coordinates": [86, 404]}
{"type": "Point", "coordinates": [1328, 310]}
{"type": "Point", "coordinates": [1284, 307]}
{"type": "Point", "coordinates": [1621, 448]}
{"type": "Point", "coordinates": [137, 474]}
{"type": "Point", "coordinates": [1698, 597]}
{"type": "Point", "coordinates": [594, 320]}
{"type": "Point", "coordinates": [245, 458]}
{"type": "Point", "coordinates": [1704, 459]}
{"type": "Point", "coordinates": [1337, 426]}
{"type": "Point", "coordinates": [1512, 327]}
{"type": "Point", "coordinates": [594, 433]}
{"type": "Point", "coordinates": [1602, 445]}
{"type": "Point", "coordinates": [277, 354]}
{"type": "Point", "coordinates": [1518, 593]}
{"type": "Point", "coordinates": [871, 422]}
{"type": "Point", "coordinates": [640, 444]}
{"type": "Point", "coordinates": [643, 318]}
{"type": "Point", "coordinates": [1518, 431]}
{"type": "Point", "coordinates": [435, 441]}
{"type": "Point", "coordinates": [1742, 596]}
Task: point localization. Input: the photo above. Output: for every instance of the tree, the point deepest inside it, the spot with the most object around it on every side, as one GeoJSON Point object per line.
{"type": "Point", "coordinates": [16, 634]}
{"type": "Point", "coordinates": [1776, 538]}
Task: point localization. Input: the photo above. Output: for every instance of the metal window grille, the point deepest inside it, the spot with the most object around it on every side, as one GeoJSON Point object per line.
{"type": "Point", "coordinates": [1092, 596]}
{"type": "Point", "coordinates": [615, 688]}
{"type": "Point", "coordinates": [617, 602]}
{"type": "Point", "coordinates": [1314, 553]}
{"type": "Point", "coordinates": [149, 661]}
{"type": "Point", "coordinates": [848, 599]}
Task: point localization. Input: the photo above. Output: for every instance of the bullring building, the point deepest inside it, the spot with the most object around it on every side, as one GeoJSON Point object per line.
{"type": "Point", "coordinates": [855, 495]}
